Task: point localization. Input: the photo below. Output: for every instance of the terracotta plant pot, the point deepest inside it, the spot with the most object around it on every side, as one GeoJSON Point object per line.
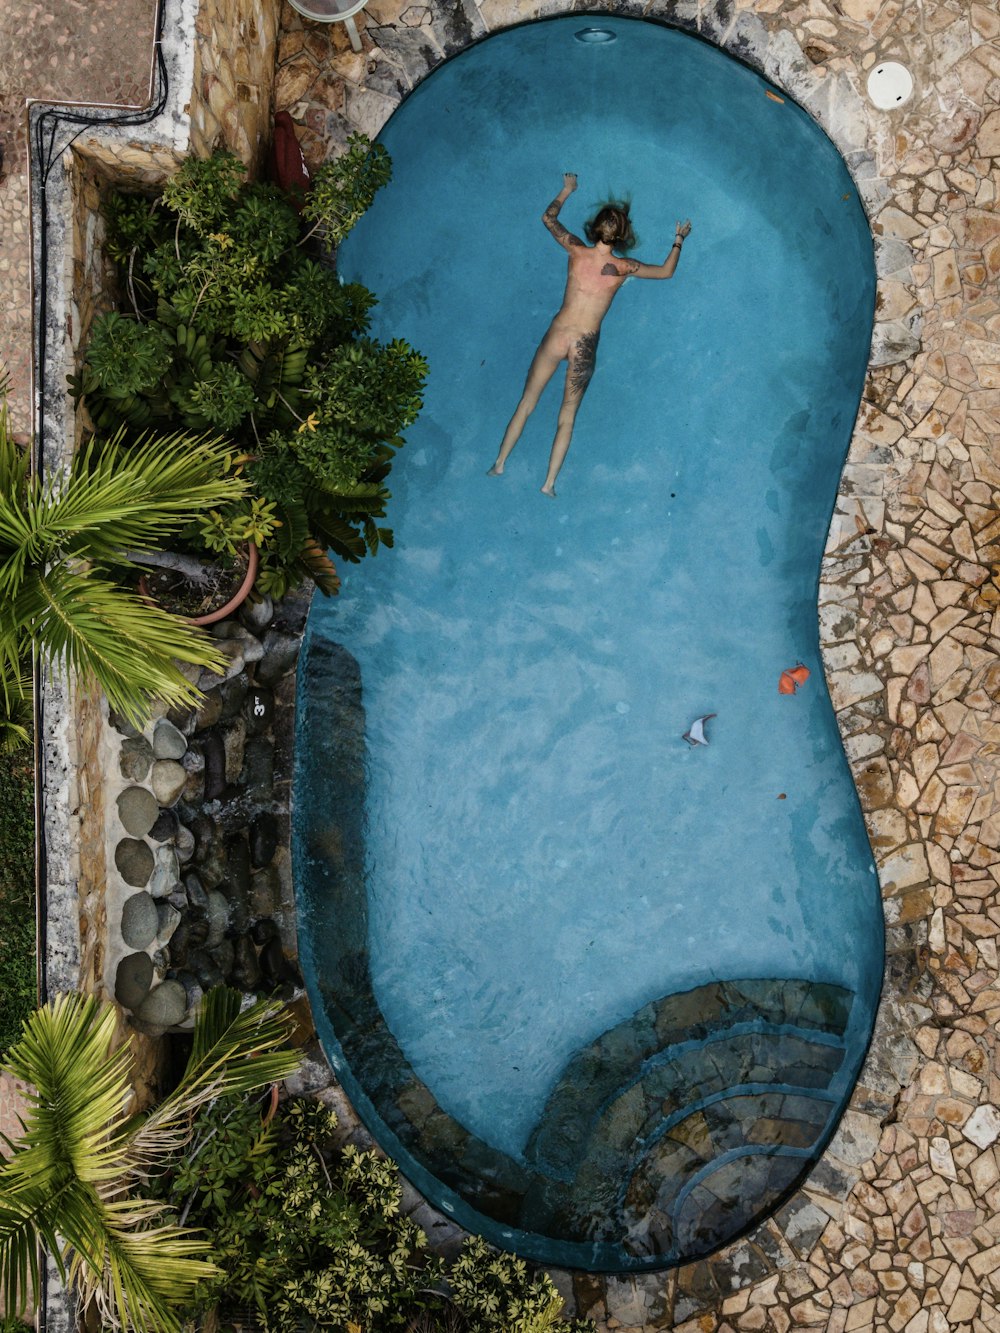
{"type": "Point", "coordinates": [234, 602]}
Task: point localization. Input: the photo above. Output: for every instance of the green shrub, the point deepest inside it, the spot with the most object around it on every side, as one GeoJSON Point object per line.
{"type": "Point", "coordinates": [17, 894]}
{"type": "Point", "coordinates": [228, 323]}
{"type": "Point", "coordinates": [312, 1236]}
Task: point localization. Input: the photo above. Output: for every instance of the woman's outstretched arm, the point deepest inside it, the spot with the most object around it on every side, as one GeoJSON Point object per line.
{"type": "Point", "coordinates": [635, 268]}
{"type": "Point", "coordinates": [551, 215]}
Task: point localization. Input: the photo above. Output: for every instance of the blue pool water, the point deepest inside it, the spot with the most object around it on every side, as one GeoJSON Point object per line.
{"type": "Point", "coordinates": [602, 995]}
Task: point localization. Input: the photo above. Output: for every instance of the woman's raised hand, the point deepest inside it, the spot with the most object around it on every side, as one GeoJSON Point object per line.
{"type": "Point", "coordinates": [683, 229]}
{"type": "Point", "coordinates": [569, 181]}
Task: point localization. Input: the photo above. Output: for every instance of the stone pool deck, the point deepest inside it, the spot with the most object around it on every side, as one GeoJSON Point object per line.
{"type": "Point", "coordinates": [899, 1226]}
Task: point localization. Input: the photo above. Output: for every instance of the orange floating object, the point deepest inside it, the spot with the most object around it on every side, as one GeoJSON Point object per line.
{"type": "Point", "coordinates": [789, 681]}
{"type": "Point", "coordinates": [774, 96]}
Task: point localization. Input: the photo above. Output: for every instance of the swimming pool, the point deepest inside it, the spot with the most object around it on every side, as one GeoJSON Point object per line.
{"type": "Point", "coordinates": [603, 995]}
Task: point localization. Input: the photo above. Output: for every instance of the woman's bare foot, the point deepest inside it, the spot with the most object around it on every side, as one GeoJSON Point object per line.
{"type": "Point", "coordinates": [496, 470]}
{"type": "Point", "coordinates": [550, 491]}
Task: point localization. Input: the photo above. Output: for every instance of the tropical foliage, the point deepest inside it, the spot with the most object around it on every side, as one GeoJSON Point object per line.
{"type": "Point", "coordinates": [61, 542]}
{"type": "Point", "coordinates": [312, 1235]}
{"type": "Point", "coordinates": [74, 1182]}
{"type": "Point", "coordinates": [229, 322]}
{"type": "Point", "coordinates": [17, 897]}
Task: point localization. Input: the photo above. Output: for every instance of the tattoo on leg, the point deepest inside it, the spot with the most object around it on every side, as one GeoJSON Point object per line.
{"type": "Point", "coordinates": [583, 359]}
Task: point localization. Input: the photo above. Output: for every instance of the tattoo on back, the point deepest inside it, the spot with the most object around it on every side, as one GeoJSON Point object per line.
{"type": "Point", "coordinates": [621, 269]}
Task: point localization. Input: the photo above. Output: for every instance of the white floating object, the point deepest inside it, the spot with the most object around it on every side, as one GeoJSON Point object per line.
{"type": "Point", "coordinates": [889, 85]}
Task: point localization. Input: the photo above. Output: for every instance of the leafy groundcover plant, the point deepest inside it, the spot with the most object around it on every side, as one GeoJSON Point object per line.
{"type": "Point", "coordinates": [232, 320]}
{"type": "Point", "coordinates": [308, 1235]}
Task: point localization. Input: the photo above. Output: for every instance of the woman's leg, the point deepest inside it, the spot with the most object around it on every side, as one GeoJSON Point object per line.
{"type": "Point", "coordinates": [579, 369]}
{"type": "Point", "coordinates": [542, 369]}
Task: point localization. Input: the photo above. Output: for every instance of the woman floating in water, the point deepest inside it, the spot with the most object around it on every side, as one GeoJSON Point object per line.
{"type": "Point", "coordinates": [595, 275]}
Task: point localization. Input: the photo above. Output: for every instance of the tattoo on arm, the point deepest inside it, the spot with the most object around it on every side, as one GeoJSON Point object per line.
{"type": "Point", "coordinates": [551, 219]}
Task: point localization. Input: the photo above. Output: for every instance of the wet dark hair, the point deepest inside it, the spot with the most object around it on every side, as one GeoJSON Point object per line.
{"type": "Point", "coordinates": [612, 225]}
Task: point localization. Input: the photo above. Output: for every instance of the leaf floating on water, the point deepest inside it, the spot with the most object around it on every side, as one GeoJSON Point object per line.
{"type": "Point", "coordinates": [773, 96]}
{"type": "Point", "coordinates": [782, 796]}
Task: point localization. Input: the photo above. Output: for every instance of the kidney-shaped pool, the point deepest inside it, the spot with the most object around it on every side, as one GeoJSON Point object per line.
{"type": "Point", "coordinates": [601, 993]}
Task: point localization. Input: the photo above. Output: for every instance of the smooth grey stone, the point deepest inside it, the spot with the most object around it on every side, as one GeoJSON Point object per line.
{"type": "Point", "coordinates": [165, 1006]}
{"type": "Point", "coordinates": [137, 810]}
{"type": "Point", "coordinates": [165, 827]}
{"type": "Point", "coordinates": [167, 780]}
{"type": "Point", "coordinates": [233, 664]}
{"type": "Point", "coordinates": [210, 710]}
{"type": "Point", "coordinates": [256, 616]}
{"type": "Point", "coordinates": [205, 968]}
{"type": "Point", "coordinates": [263, 840]}
{"type": "Point", "coordinates": [239, 908]}
{"type": "Point", "coordinates": [192, 990]}
{"type": "Point", "coordinates": [166, 875]}
{"type": "Point", "coordinates": [281, 652]}
{"type": "Point", "coordinates": [196, 894]}
{"type": "Point", "coordinates": [139, 921]}
{"type": "Point", "coordinates": [225, 955]}
{"type": "Point", "coordinates": [168, 741]}
{"type": "Point", "coordinates": [246, 969]}
{"type": "Point", "coordinates": [168, 919]}
{"type": "Point", "coordinates": [233, 743]}
{"type": "Point", "coordinates": [134, 860]}
{"type": "Point", "coordinates": [218, 918]}
{"type": "Point", "coordinates": [234, 694]}
{"type": "Point", "coordinates": [184, 844]}
{"type": "Point", "coordinates": [231, 631]}
{"type": "Point", "coordinates": [177, 899]}
{"type": "Point", "coordinates": [122, 725]}
{"type": "Point", "coordinates": [277, 968]}
{"type": "Point", "coordinates": [135, 758]}
{"type": "Point", "coordinates": [133, 979]}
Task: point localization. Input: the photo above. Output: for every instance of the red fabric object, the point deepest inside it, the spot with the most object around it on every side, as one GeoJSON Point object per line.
{"type": "Point", "coordinates": [286, 166]}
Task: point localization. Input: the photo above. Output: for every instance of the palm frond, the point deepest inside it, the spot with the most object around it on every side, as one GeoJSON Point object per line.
{"type": "Point", "coordinates": [97, 629]}
{"type": "Point", "coordinates": [235, 1051]}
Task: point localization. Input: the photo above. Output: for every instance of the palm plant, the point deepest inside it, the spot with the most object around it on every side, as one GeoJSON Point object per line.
{"type": "Point", "coordinates": [59, 540]}
{"type": "Point", "coordinates": [72, 1182]}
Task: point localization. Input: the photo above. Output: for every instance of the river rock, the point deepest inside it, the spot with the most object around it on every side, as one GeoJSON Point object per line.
{"type": "Point", "coordinates": [168, 919]}
{"type": "Point", "coordinates": [217, 909]}
{"type": "Point", "coordinates": [246, 970]}
{"type": "Point", "coordinates": [184, 844]}
{"type": "Point", "coordinates": [225, 955]}
{"type": "Point", "coordinates": [265, 892]}
{"type": "Point", "coordinates": [139, 922]}
{"type": "Point", "coordinates": [215, 765]}
{"type": "Point", "coordinates": [232, 653]}
{"type": "Point", "coordinates": [233, 741]}
{"type": "Point", "coordinates": [231, 631]}
{"type": "Point", "coordinates": [137, 810]}
{"type": "Point", "coordinates": [192, 990]}
{"type": "Point", "coordinates": [135, 758]}
{"type": "Point", "coordinates": [257, 615]}
{"type": "Point", "coordinates": [166, 874]}
{"type": "Point", "coordinates": [168, 741]}
{"type": "Point", "coordinates": [205, 968]}
{"type": "Point", "coordinates": [134, 860]}
{"type": "Point", "coordinates": [278, 969]}
{"type": "Point", "coordinates": [194, 889]}
{"type": "Point", "coordinates": [167, 780]}
{"type": "Point", "coordinates": [165, 827]}
{"type": "Point", "coordinates": [234, 694]}
{"type": "Point", "coordinates": [263, 840]}
{"type": "Point", "coordinates": [165, 1006]}
{"type": "Point", "coordinates": [133, 978]}
{"type": "Point", "coordinates": [264, 931]}
{"type": "Point", "coordinates": [210, 710]}
{"type": "Point", "coordinates": [281, 652]}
